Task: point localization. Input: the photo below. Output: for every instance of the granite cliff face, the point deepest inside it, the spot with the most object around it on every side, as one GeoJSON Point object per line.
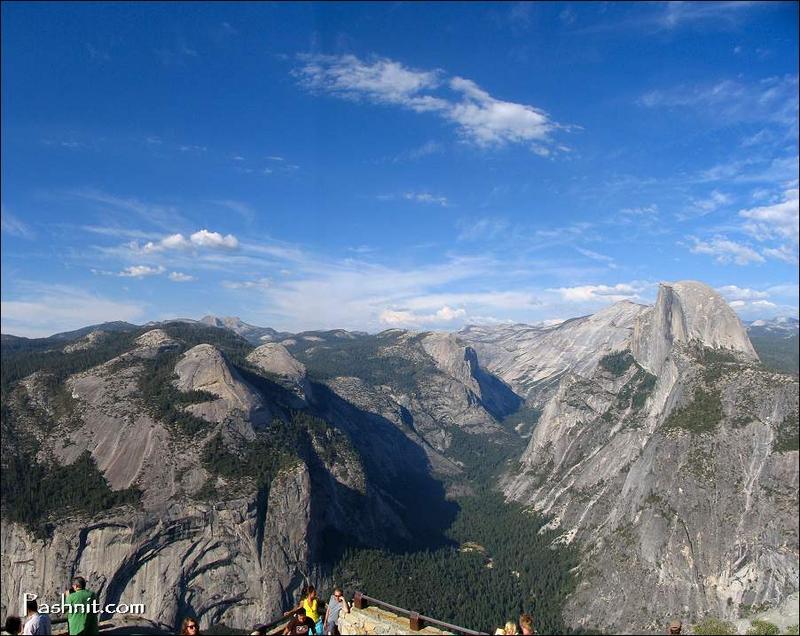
{"type": "Point", "coordinates": [672, 464]}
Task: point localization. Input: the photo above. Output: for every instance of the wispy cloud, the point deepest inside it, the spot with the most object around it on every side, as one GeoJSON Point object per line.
{"type": "Point", "coordinates": [242, 209]}
{"type": "Point", "coordinates": [41, 310]}
{"type": "Point", "coordinates": [671, 16]}
{"type": "Point", "coordinates": [177, 54]}
{"type": "Point", "coordinates": [772, 99]}
{"type": "Point", "coordinates": [424, 150]}
{"type": "Point", "coordinates": [480, 118]}
{"type": "Point", "coordinates": [180, 277]}
{"type": "Point", "coordinates": [261, 283]}
{"type": "Point", "coordinates": [417, 197]}
{"type": "Point", "coordinates": [726, 251]}
{"type": "Point", "coordinates": [12, 226]}
{"type": "Point", "coordinates": [603, 293]}
{"type": "Point", "coordinates": [596, 256]}
{"type": "Point", "coordinates": [163, 216]}
{"type": "Point", "coordinates": [485, 228]}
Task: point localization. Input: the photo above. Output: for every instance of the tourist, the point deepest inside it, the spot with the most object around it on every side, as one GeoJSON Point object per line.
{"type": "Point", "coordinates": [13, 625]}
{"type": "Point", "coordinates": [80, 617]}
{"type": "Point", "coordinates": [190, 627]}
{"type": "Point", "coordinates": [511, 628]}
{"type": "Point", "coordinates": [300, 625]}
{"type": "Point", "coordinates": [526, 623]}
{"type": "Point", "coordinates": [675, 627]}
{"type": "Point", "coordinates": [310, 603]}
{"type": "Point", "coordinates": [336, 605]}
{"type": "Point", "coordinates": [37, 623]}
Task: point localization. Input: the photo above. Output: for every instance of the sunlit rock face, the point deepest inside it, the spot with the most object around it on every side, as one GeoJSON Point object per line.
{"type": "Point", "coordinates": [673, 473]}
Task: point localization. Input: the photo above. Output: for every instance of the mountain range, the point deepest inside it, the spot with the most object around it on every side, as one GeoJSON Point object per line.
{"type": "Point", "coordinates": [229, 464]}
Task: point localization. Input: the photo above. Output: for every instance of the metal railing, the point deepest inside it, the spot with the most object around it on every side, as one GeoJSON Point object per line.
{"type": "Point", "coordinates": [416, 620]}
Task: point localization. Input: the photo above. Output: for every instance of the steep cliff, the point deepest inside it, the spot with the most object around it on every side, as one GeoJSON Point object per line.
{"type": "Point", "coordinates": [674, 465]}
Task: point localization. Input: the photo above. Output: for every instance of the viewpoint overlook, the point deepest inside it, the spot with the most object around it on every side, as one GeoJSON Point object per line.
{"type": "Point", "coordinates": [612, 472]}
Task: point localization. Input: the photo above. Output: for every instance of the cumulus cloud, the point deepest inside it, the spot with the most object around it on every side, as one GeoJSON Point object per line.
{"type": "Point", "coordinates": [480, 118]}
{"type": "Point", "coordinates": [203, 239]}
{"type": "Point", "coordinates": [488, 121]}
{"type": "Point", "coordinates": [140, 271]}
{"type": "Point", "coordinates": [409, 318]}
{"type": "Point", "coordinates": [726, 251]}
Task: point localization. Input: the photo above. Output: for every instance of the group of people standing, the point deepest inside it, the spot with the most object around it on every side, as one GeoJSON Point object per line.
{"type": "Point", "coordinates": [308, 617]}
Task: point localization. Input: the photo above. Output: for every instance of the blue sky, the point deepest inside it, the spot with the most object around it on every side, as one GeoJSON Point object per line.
{"type": "Point", "coordinates": [380, 165]}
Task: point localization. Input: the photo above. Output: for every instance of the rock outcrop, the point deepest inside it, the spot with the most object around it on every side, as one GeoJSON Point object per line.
{"type": "Point", "coordinates": [685, 312]}
{"type": "Point", "coordinates": [275, 360]}
{"type": "Point", "coordinates": [204, 368]}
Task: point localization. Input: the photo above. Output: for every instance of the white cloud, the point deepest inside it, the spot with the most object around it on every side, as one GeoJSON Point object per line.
{"type": "Point", "coordinates": [778, 221]}
{"type": "Point", "coordinates": [180, 277]}
{"type": "Point", "coordinates": [488, 121]}
{"type": "Point", "coordinates": [713, 201]}
{"type": "Point", "coordinates": [261, 283]}
{"type": "Point", "coordinates": [140, 271]}
{"type": "Point", "coordinates": [756, 304]}
{"type": "Point", "coordinates": [381, 80]}
{"type": "Point", "coordinates": [735, 293]}
{"type": "Point", "coordinates": [596, 256]}
{"type": "Point", "coordinates": [785, 253]}
{"type": "Point", "coordinates": [47, 309]}
{"type": "Point", "coordinates": [601, 293]}
{"type": "Point", "coordinates": [726, 251]}
{"type": "Point", "coordinates": [426, 197]}
{"type": "Point", "coordinates": [200, 239]}
{"type": "Point", "coordinates": [481, 118]}
{"type": "Point", "coordinates": [408, 318]}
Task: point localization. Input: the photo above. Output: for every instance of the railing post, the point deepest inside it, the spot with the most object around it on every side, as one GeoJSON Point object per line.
{"type": "Point", "coordinates": [359, 602]}
{"type": "Point", "coordinates": [415, 622]}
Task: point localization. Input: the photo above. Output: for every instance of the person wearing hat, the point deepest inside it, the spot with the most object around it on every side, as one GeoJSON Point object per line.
{"type": "Point", "coordinates": [675, 627]}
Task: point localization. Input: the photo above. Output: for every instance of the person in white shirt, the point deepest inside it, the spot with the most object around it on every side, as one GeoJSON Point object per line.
{"type": "Point", "coordinates": [37, 623]}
